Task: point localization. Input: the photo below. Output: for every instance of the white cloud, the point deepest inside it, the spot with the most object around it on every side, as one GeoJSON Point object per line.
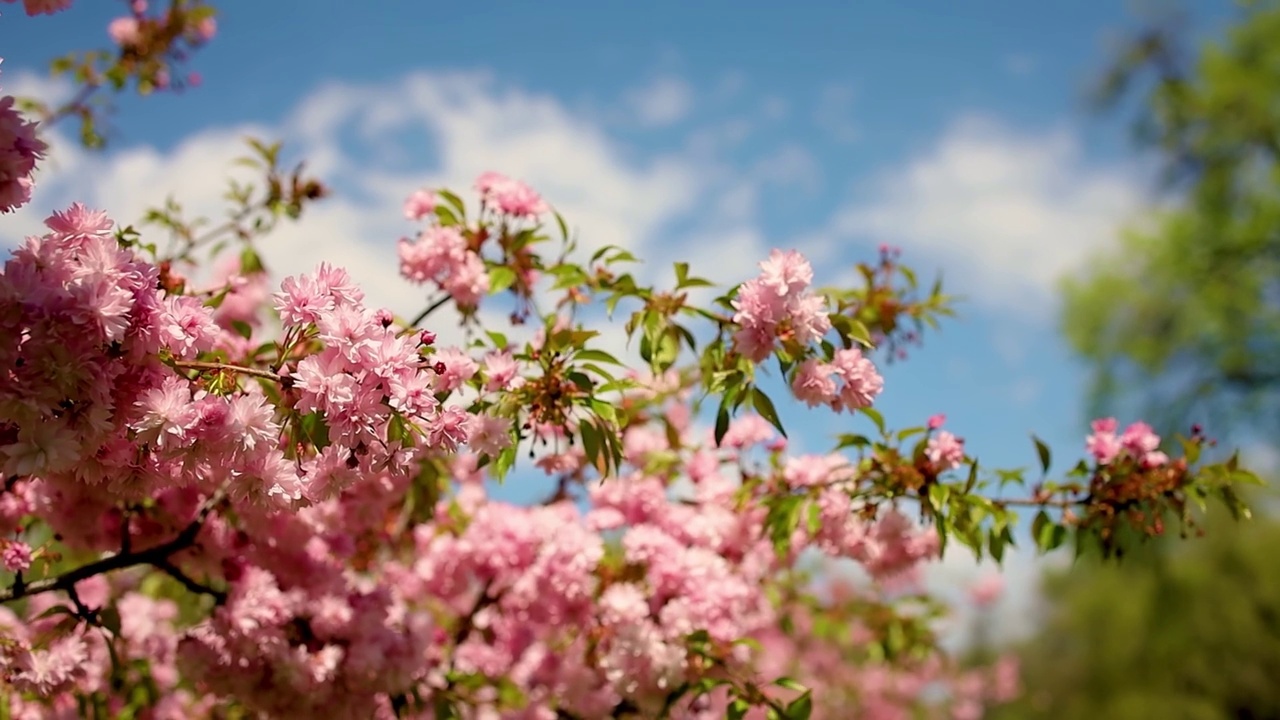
{"type": "Point", "coordinates": [1006, 212]}
{"type": "Point", "coordinates": [473, 125]}
{"type": "Point", "coordinates": [664, 101]}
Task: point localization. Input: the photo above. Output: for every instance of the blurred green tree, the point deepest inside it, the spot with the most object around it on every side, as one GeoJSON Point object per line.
{"type": "Point", "coordinates": [1181, 321]}
{"type": "Point", "coordinates": [1191, 632]}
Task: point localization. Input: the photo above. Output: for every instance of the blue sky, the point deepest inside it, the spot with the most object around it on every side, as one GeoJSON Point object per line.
{"type": "Point", "coordinates": [715, 129]}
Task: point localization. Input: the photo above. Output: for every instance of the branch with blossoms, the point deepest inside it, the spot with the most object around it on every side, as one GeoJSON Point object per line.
{"type": "Point", "coordinates": [149, 49]}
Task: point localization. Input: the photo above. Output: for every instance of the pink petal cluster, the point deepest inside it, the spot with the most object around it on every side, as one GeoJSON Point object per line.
{"type": "Point", "coordinates": [850, 381]}
{"type": "Point", "coordinates": [43, 7]}
{"type": "Point", "coordinates": [441, 255]}
{"type": "Point", "coordinates": [361, 570]}
{"type": "Point", "coordinates": [124, 30]}
{"type": "Point", "coordinates": [419, 204]}
{"type": "Point", "coordinates": [510, 197]}
{"type": "Point", "coordinates": [20, 148]}
{"type": "Point", "coordinates": [944, 451]}
{"type": "Point", "coordinates": [778, 305]}
{"type": "Point", "coordinates": [1138, 442]}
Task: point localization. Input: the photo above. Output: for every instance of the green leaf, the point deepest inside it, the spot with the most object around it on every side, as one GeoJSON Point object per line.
{"type": "Point", "coordinates": [250, 262]}
{"type": "Point", "coordinates": [801, 708]}
{"type": "Point", "coordinates": [790, 684]}
{"type": "Point", "coordinates": [722, 421]}
{"type": "Point", "coordinates": [1049, 535]}
{"type": "Point", "coordinates": [596, 356]}
{"type": "Point", "coordinates": [590, 441]}
{"type": "Point", "coordinates": [738, 709]}
{"type": "Point", "coordinates": [109, 618]}
{"type": "Point", "coordinates": [1043, 451]}
{"type": "Point", "coordinates": [764, 406]}
{"type": "Point", "coordinates": [875, 416]}
{"type": "Point", "coordinates": [501, 278]}
{"type": "Point", "coordinates": [314, 429]}
{"type": "Point", "coordinates": [938, 495]}
{"type": "Point", "coordinates": [682, 272]}
{"type": "Point", "coordinates": [454, 201]}
{"type": "Point", "coordinates": [564, 228]}
{"type": "Point", "coordinates": [447, 216]}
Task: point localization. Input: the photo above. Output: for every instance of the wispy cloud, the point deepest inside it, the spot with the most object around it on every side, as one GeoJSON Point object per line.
{"type": "Point", "coordinates": [664, 101]}
{"type": "Point", "coordinates": [834, 114]}
{"type": "Point", "coordinates": [1008, 212]}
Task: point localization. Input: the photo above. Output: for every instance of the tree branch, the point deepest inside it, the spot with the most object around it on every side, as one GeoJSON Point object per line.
{"type": "Point", "coordinates": [157, 556]}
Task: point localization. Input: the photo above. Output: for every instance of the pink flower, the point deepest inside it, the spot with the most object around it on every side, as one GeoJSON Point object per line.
{"type": "Point", "coordinates": [419, 204]}
{"type": "Point", "coordinates": [206, 29]}
{"type": "Point", "coordinates": [1103, 443]}
{"type": "Point", "coordinates": [43, 7]}
{"type": "Point", "coordinates": [124, 30]}
{"type": "Point", "coordinates": [987, 590]}
{"type": "Point", "coordinates": [454, 368]}
{"type": "Point", "coordinates": [500, 371]}
{"type": "Point", "coordinates": [945, 451]}
{"type": "Point", "coordinates": [20, 148]}
{"type": "Point", "coordinates": [936, 421]}
{"type": "Point", "coordinates": [302, 300]}
{"type": "Point", "coordinates": [862, 383]}
{"type": "Point", "coordinates": [17, 556]}
{"type": "Point", "coordinates": [777, 304]}
{"type": "Point", "coordinates": [187, 326]}
{"type": "Point", "coordinates": [1140, 439]}
{"type": "Point", "coordinates": [813, 383]}
{"type": "Point", "coordinates": [510, 197]}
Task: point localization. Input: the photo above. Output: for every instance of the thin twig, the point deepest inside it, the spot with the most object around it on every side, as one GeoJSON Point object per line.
{"type": "Point", "coordinates": [203, 365]}
{"type": "Point", "coordinates": [430, 309]}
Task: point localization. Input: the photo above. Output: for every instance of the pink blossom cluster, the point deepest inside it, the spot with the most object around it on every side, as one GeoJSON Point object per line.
{"type": "Point", "coordinates": [419, 204]}
{"type": "Point", "coordinates": [777, 305]}
{"type": "Point", "coordinates": [842, 677]}
{"type": "Point", "coordinates": [129, 30]}
{"type": "Point", "coordinates": [331, 646]}
{"type": "Point", "coordinates": [510, 197]}
{"type": "Point", "coordinates": [43, 7]}
{"type": "Point", "coordinates": [442, 255]}
{"type": "Point", "coordinates": [92, 414]}
{"type": "Point", "coordinates": [945, 451]}
{"type": "Point", "coordinates": [1138, 442]}
{"type": "Point", "coordinates": [346, 586]}
{"type": "Point", "coordinates": [87, 323]}
{"type": "Point", "coordinates": [850, 381]}
{"type": "Point", "coordinates": [20, 148]}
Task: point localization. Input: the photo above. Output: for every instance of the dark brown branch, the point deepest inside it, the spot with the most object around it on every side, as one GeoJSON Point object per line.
{"type": "Point", "coordinates": [151, 556]}
{"type": "Point", "coordinates": [187, 582]}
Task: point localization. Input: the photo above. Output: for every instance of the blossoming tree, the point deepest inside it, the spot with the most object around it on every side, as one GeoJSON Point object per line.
{"type": "Point", "coordinates": [222, 500]}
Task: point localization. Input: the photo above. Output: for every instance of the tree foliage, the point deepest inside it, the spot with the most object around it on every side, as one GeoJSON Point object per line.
{"type": "Point", "coordinates": [1183, 317]}
{"type": "Point", "coordinates": [1190, 632]}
